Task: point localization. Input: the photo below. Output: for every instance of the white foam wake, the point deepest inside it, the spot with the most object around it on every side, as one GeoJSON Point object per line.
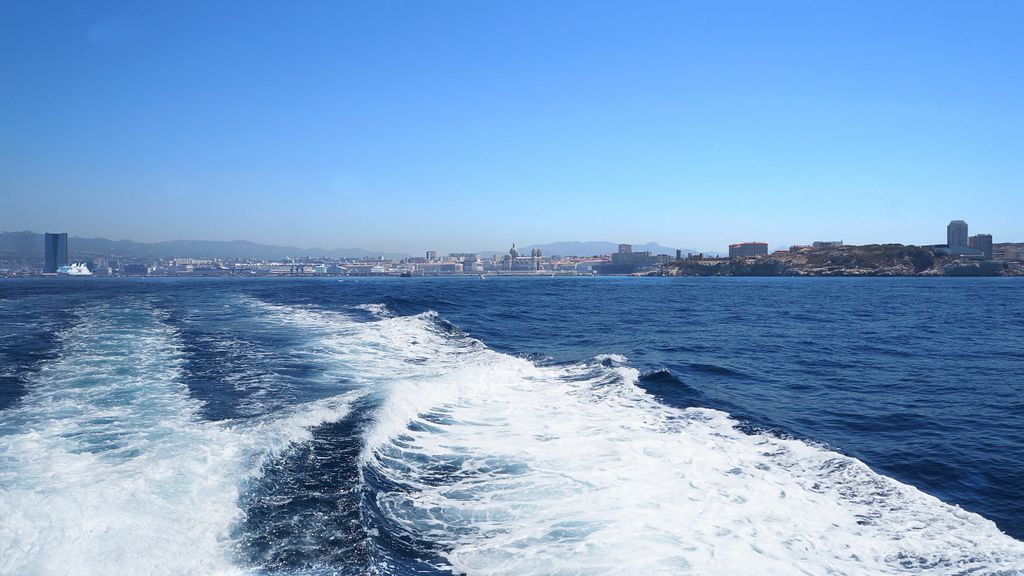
{"type": "Point", "coordinates": [105, 467]}
{"type": "Point", "coordinates": [370, 354]}
{"type": "Point", "coordinates": [510, 467]}
{"type": "Point", "coordinates": [518, 469]}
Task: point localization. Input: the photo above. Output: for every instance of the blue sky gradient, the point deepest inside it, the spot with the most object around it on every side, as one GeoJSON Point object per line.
{"type": "Point", "coordinates": [407, 126]}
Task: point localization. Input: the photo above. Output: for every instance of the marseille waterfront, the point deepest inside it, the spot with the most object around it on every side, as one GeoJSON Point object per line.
{"type": "Point", "coordinates": [585, 425]}
{"type": "Point", "coordinates": [25, 254]}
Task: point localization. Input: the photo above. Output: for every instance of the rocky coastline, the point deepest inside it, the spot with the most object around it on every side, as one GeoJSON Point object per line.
{"type": "Point", "coordinates": [867, 260]}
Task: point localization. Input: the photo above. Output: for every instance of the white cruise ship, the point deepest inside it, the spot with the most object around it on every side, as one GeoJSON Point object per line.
{"type": "Point", "coordinates": [74, 270]}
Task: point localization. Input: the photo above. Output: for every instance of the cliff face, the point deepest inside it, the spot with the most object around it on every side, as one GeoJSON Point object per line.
{"type": "Point", "coordinates": [869, 260]}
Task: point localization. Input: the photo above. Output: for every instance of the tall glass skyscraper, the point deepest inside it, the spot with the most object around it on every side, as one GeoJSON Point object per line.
{"type": "Point", "coordinates": [56, 252]}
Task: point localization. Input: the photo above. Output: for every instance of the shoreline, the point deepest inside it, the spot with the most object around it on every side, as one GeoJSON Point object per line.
{"type": "Point", "coordinates": [467, 277]}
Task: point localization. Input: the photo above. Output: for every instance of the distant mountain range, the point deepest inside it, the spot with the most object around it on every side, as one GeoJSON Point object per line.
{"type": "Point", "coordinates": [30, 245]}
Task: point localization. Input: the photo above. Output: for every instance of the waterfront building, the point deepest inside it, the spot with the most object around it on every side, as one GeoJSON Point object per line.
{"type": "Point", "coordinates": [516, 262]}
{"type": "Point", "coordinates": [439, 268]}
{"type": "Point", "coordinates": [964, 252]}
{"type": "Point", "coordinates": [431, 255]}
{"type": "Point", "coordinates": [625, 261]}
{"type": "Point", "coordinates": [469, 260]}
{"type": "Point", "coordinates": [748, 249]}
{"type": "Point", "coordinates": [827, 243]}
{"type": "Point", "coordinates": [361, 269]}
{"type": "Point", "coordinates": [982, 242]}
{"type": "Point", "coordinates": [632, 259]}
{"type": "Point", "coordinates": [56, 252]}
{"type": "Point", "coordinates": [956, 233]}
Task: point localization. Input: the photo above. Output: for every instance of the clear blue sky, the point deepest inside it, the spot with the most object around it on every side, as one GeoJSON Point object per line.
{"type": "Point", "coordinates": [469, 125]}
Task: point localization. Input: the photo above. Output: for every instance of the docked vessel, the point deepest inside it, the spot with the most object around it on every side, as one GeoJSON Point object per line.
{"type": "Point", "coordinates": [75, 269]}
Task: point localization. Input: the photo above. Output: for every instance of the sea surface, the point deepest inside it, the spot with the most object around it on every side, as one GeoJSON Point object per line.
{"type": "Point", "coordinates": [512, 426]}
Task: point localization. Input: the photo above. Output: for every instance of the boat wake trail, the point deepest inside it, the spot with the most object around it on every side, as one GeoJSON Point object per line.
{"type": "Point", "coordinates": [435, 455]}
{"type": "Point", "coordinates": [106, 468]}
{"type": "Point", "coordinates": [500, 466]}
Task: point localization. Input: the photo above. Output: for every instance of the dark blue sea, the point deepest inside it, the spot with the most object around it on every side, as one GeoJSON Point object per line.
{"type": "Point", "coordinates": [512, 426]}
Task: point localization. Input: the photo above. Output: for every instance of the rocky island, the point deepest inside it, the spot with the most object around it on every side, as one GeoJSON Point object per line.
{"type": "Point", "coordinates": [867, 260]}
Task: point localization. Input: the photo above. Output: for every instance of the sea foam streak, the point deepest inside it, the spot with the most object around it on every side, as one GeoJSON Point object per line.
{"type": "Point", "coordinates": [514, 468]}
{"type": "Point", "coordinates": [106, 468]}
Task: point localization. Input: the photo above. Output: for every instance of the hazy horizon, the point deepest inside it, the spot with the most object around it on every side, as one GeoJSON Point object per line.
{"type": "Point", "coordinates": [637, 246]}
{"type": "Point", "coordinates": [400, 127]}
{"type": "Point", "coordinates": [477, 250]}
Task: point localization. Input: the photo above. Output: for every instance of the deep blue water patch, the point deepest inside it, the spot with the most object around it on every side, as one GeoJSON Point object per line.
{"type": "Point", "coordinates": [31, 322]}
{"type": "Point", "coordinates": [303, 512]}
{"type": "Point", "coordinates": [310, 512]}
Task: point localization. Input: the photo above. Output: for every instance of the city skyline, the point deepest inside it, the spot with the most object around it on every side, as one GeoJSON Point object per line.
{"type": "Point", "coordinates": [962, 255]}
{"type": "Point", "coordinates": [609, 248]}
{"type": "Point", "coordinates": [396, 126]}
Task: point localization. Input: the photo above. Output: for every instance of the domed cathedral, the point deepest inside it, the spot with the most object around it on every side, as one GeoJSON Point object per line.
{"type": "Point", "coordinates": [516, 262]}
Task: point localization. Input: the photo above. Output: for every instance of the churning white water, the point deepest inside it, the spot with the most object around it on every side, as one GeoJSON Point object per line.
{"type": "Point", "coordinates": [515, 468]}
{"type": "Point", "coordinates": [504, 466]}
{"type": "Point", "coordinates": [105, 467]}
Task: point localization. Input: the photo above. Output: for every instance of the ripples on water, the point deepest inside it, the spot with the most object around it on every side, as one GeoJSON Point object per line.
{"type": "Point", "coordinates": [512, 426]}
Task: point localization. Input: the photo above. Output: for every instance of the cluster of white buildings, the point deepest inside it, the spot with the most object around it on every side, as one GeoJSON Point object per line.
{"type": "Point", "coordinates": [511, 263]}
